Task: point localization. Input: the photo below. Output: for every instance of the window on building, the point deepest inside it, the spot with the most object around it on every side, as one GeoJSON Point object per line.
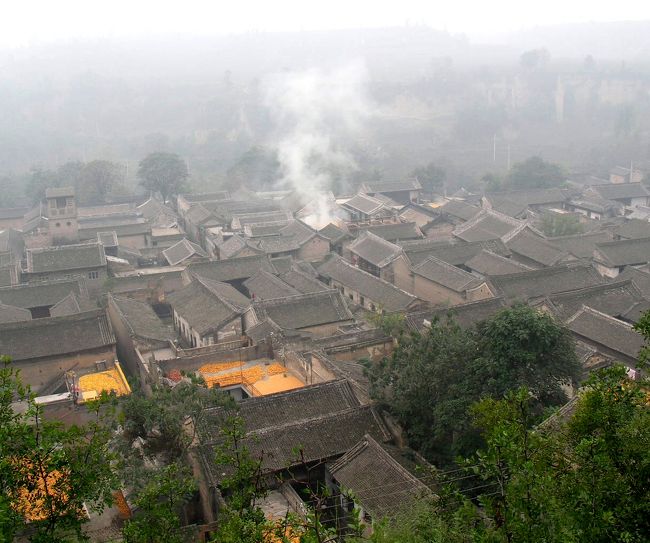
{"type": "Point", "coordinates": [93, 275]}
{"type": "Point", "coordinates": [61, 202]}
{"type": "Point", "coordinates": [57, 224]}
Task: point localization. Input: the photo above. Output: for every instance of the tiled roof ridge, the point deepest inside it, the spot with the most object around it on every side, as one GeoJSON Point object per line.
{"type": "Point", "coordinates": [617, 242]}
{"type": "Point", "coordinates": [542, 271]}
{"type": "Point", "coordinates": [302, 296]}
{"type": "Point", "coordinates": [613, 320]}
{"type": "Point", "coordinates": [324, 416]}
{"type": "Point", "coordinates": [207, 285]}
{"type": "Point", "coordinates": [596, 288]}
{"type": "Point", "coordinates": [484, 212]}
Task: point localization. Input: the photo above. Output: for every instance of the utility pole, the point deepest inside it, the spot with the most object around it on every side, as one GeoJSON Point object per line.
{"type": "Point", "coordinates": [508, 157]}
{"type": "Point", "coordinates": [494, 148]}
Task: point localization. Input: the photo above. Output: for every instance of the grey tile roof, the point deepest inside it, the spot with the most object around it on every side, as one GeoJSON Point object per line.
{"type": "Point", "coordinates": [365, 204]}
{"type": "Point", "coordinates": [207, 305]}
{"type": "Point", "coordinates": [620, 191]}
{"type": "Point", "coordinates": [380, 484]}
{"type": "Point", "coordinates": [308, 440]}
{"type": "Point", "coordinates": [234, 245]}
{"type": "Point", "coordinates": [266, 286]}
{"type": "Point", "coordinates": [13, 212]}
{"type": "Point", "coordinates": [67, 306]}
{"type": "Point", "coordinates": [240, 220]}
{"type": "Point", "coordinates": [57, 336]}
{"type": "Point", "coordinates": [207, 196]}
{"type": "Point", "coordinates": [232, 269]}
{"type": "Point", "coordinates": [333, 233]}
{"type": "Point", "coordinates": [302, 281]}
{"type": "Point", "coordinates": [459, 209]}
{"type": "Point", "coordinates": [59, 192]}
{"type": "Point", "coordinates": [374, 249]}
{"type": "Point", "coordinates": [641, 279]}
{"type": "Point", "coordinates": [633, 229]}
{"type": "Point", "coordinates": [528, 284]}
{"type": "Point", "coordinates": [181, 251]}
{"type": "Point", "coordinates": [613, 299]}
{"type": "Point", "coordinates": [65, 257]}
{"type": "Point", "coordinates": [122, 230]}
{"type": "Point", "coordinates": [380, 292]}
{"type": "Point", "coordinates": [282, 264]}
{"type": "Point", "coordinates": [10, 313]}
{"type": "Point", "coordinates": [43, 294]}
{"type": "Point", "coordinates": [305, 310]}
{"type": "Point", "coordinates": [593, 202]}
{"type": "Point", "coordinates": [623, 252]}
{"type": "Point", "coordinates": [394, 232]}
{"type": "Point", "coordinates": [580, 245]}
{"type": "Point", "coordinates": [605, 331]}
{"type": "Point", "coordinates": [283, 408]}
{"type": "Point", "coordinates": [107, 239]}
{"type": "Point", "coordinates": [141, 320]}
{"type": "Point", "coordinates": [535, 248]}
{"type": "Point", "coordinates": [530, 197]}
{"type": "Point", "coordinates": [289, 238]}
{"type": "Point", "coordinates": [198, 214]}
{"type": "Point", "coordinates": [489, 263]}
{"type": "Point", "coordinates": [397, 185]}
{"type": "Point", "coordinates": [466, 315]}
{"type": "Point", "coordinates": [488, 224]}
{"type": "Point", "coordinates": [453, 252]}
{"type": "Point", "coordinates": [446, 274]}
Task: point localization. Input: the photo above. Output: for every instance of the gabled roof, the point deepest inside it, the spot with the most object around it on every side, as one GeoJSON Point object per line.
{"type": "Point", "coordinates": [380, 292]}
{"type": "Point", "coordinates": [366, 204]}
{"type": "Point", "coordinates": [447, 275]}
{"type": "Point", "coordinates": [333, 233]}
{"type": "Point", "coordinates": [107, 239]}
{"type": "Point", "coordinates": [67, 306]}
{"type": "Point", "coordinates": [231, 269]}
{"type": "Point", "coordinates": [466, 315]}
{"type": "Point", "coordinates": [56, 336]}
{"type": "Point", "coordinates": [234, 245]}
{"type": "Point", "coordinates": [289, 238]}
{"type": "Point", "coordinates": [453, 252]}
{"type": "Point", "coordinates": [304, 311]}
{"type": "Point", "coordinates": [624, 252]}
{"type": "Point", "coordinates": [43, 294]}
{"type": "Point", "coordinates": [613, 299]}
{"type": "Point", "coordinates": [528, 284]}
{"type": "Point", "coordinates": [620, 191]}
{"type": "Point", "coordinates": [489, 263]}
{"type": "Point", "coordinates": [528, 197]}
{"type": "Point", "coordinates": [535, 248]}
{"type": "Point", "coordinates": [208, 305]}
{"type": "Point", "coordinates": [10, 313]}
{"type": "Point", "coordinates": [282, 408]}
{"type": "Point", "coordinates": [487, 224]}
{"type": "Point", "coordinates": [140, 319]}
{"type": "Point", "coordinates": [394, 232]}
{"type": "Point", "coordinates": [181, 251]}
{"type": "Point", "coordinates": [398, 185]}
{"type": "Point", "coordinates": [320, 438]}
{"type": "Point", "coordinates": [379, 483]}
{"type": "Point", "coordinates": [640, 278]}
{"type": "Point", "coordinates": [374, 249]}
{"type": "Point", "coordinates": [608, 332]}
{"type": "Point", "coordinates": [580, 245]}
{"type": "Point", "coordinates": [633, 229]}
{"type": "Point", "coordinates": [266, 286]}
{"type": "Point", "coordinates": [198, 214]}
{"type": "Point", "coordinates": [301, 281]}
{"type": "Point", "coordinates": [459, 209]}
{"type": "Point", "coordinates": [240, 220]}
{"type": "Point", "coordinates": [65, 257]}
{"type": "Point", "coordinates": [593, 202]}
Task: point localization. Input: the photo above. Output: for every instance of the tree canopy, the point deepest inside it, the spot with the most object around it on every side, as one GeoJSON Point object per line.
{"type": "Point", "coordinates": [432, 379]}
{"type": "Point", "coordinates": [432, 177]}
{"type": "Point", "coordinates": [554, 224]}
{"type": "Point", "coordinates": [535, 172]}
{"type": "Point", "coordinates": [165, 173]}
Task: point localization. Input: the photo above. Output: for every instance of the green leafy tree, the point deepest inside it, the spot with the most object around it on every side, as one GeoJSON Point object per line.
{"type": "Point", "coordinates": [165, 173]}
{"type": "Point", "coordinates": [48, 472]}
{"type": "Point", "coordinates": [97, 180]}
{"type": "Point", "coordinates": [159, 507]}
{"type": "Point", "coordinates": [554, 224]}
{"type": "Point", "coordinates": [432, 379]}
{"type": "Point", "coordinates": [432, 177]}
{"type": "Point", "coordinates": [535, 172]}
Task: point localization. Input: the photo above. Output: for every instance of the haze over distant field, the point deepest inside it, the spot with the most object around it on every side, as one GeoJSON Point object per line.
{"type": "Point", "coordinates": [42, 20]}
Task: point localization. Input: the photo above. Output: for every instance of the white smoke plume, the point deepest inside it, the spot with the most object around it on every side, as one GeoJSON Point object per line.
{"type": "Point", "coordinates": [315, 111]}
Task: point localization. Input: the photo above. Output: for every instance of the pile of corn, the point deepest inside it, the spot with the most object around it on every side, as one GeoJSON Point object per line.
{"type": "Point", "coordinates": [122, 506]}
{"type": "Point", "coordinates": [246, 377]}
{"type": "Point", "coordinates": [275, 369]}
{"type": "Point", "coordinates": [217, 367]}
{"type": "Point", "coordinates": [103, 381]}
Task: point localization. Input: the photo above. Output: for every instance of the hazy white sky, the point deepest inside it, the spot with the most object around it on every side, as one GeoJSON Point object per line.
{"type": "Point", "coordinates": [26, 21]}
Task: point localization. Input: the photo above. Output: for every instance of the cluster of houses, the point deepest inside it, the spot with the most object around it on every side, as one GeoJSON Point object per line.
{"type": "Point", "coordinates": [272, 296]}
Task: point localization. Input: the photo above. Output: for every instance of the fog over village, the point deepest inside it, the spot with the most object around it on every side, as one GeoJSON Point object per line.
{"type": "Point", "coordinates": [305, 273]}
